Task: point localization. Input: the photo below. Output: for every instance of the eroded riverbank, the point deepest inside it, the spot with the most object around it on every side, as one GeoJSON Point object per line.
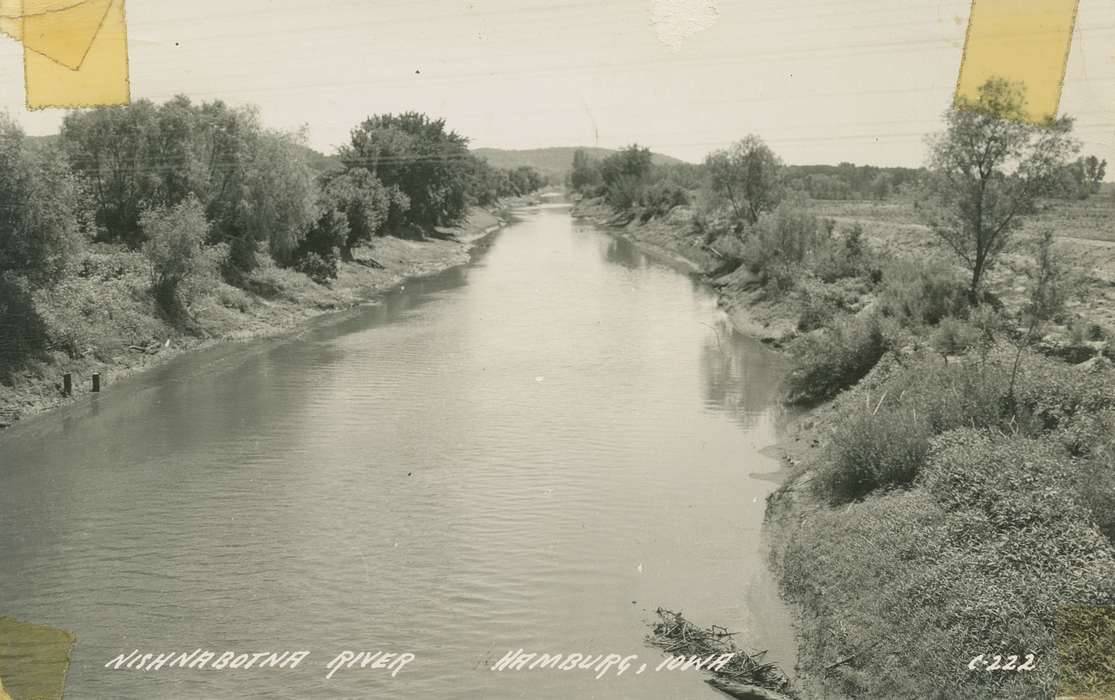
{"type": "Point", "coordinates": [127, 340]}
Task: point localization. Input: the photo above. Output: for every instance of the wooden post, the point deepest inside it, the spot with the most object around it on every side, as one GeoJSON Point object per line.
{"type": "Point", "coordinates": [67, 384]}
{"type": "Point", "coordinates": [96, 382]}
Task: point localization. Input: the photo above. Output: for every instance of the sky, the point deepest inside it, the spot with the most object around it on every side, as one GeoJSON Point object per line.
{"type": "Point", "coordinates": [820, 81]}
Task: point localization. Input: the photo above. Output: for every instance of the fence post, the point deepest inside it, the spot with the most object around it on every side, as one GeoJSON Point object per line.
{"type": "Point", "coordinates": [67, 384]}
{"type": "Point", "coordinates": [96, 382]}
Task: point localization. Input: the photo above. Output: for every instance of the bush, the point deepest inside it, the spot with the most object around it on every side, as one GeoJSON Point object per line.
{"type": "Point", "coordinates": [980, 554]}
{"type": "Point", "coordinates": [871, 448]}
{"type": "Point", "coordinates": [827, 363]}
{"type": "Point", "coordinates": [319, 268]}
{"type": "Point", "coordinates": [785, 236]}
{"type": "Point", "coordinates": [846, 257]}
{"type": "Point", "coordinates": [922, 292]}
{"type": "Point", "coordinates": [658, 199]}
{"type": "Point", "coordinates": [952, 396]}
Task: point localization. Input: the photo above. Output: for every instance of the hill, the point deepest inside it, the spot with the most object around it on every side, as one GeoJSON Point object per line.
{"type": "Point", "coordinates": [551, 162]}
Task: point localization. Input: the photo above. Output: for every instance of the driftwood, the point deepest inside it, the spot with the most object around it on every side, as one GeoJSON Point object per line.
{"type": "Point", "coordinates": [744, 691]}
{"type": "Point", "coordinates": [746, 675]}
{"type": "Point", "coordinates": [369, 262]}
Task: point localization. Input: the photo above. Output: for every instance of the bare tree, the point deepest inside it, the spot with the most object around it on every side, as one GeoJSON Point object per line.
{"type": "Point", "coordinates": [987, 172]}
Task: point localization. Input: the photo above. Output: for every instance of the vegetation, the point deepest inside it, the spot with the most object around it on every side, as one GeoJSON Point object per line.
{"type": "Point", "coordinates": [175, 246]}
{"type": "Point", "coordinates": [139, 223]}
{"type": "Point", "coordinates": [961, 496]}
{"type": "Point", "coordinates": [988, 170]}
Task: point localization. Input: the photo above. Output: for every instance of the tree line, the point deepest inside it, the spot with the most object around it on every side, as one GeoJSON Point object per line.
{"type": "Point", "coordinates": [207, 186]}
{"type": "Point", "coordinates": [986, 173]}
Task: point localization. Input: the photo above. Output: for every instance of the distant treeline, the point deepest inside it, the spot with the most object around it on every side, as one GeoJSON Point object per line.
{"type": "Point", "coordinates": [629, 180]}
{"type": "Point", "coordinates": [207, 184]}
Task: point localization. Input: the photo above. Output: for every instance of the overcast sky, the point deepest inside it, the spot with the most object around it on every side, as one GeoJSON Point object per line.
{"type": "Point", "coordinates": [822, 81]}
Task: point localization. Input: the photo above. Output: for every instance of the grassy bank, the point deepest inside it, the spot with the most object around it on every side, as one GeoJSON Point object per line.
{"type": "Point", "coordinates": [951, 488]}
{"type": "Point", "coordinates": [106, 320]}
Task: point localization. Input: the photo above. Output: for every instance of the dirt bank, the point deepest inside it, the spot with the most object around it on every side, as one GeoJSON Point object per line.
{"type": "Point", "coordinates": [667, 240]}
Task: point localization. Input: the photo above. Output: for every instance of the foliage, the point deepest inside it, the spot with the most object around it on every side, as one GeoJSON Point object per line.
{"type": "Point", "coordinates": [658, 199]}
{"type": "Point", "coordinates": [922, 292]}
{"type": "Point", "coordinates": [874, 446]}
{"type": "Point", "coordinates": [988, 169]}
{"type": "Point", "coordinates": [1050, 283]}
{"type": "Point", "coordinates": [1083, 177]}
{"type": "Point", "coordinates": [585, 176]}
{"type": "Point", "coordinates": [39, 202]}
{"type": "Point", "coordinates": [849, 181]}
{"type": "Point", "coordinates": [319, 268]}
{"type": "Point", "coordinates": [623, 176]}
{"type": "Point", "coordinates": [427, 163]}
{"type": "Point", "coordinates": [829, 362]}
{"type": "Point", "coordinates": [175, 246]}
{"type": "Point", "coordinates": [787, 235]}
{"type": "Point", "coordinates": [748, 175]}
{"type": "Point", "coordinates": [255, 186]}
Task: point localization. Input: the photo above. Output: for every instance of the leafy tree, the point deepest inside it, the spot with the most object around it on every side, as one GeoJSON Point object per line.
{"type": "Point", "coordinates": [748, 175]}
{"type": "Point", "coordinates": [419, 157]}
{"type": "Point", "coordinates": [256, 187]}
{"type": "Point", "coordinates": [632, 162]}
{"type": "Point", "coordinates": [39, 203]}
{"type": "Point", "coordinates": [278, 205]}
{"type": "Point", "coordinates": [1094, 172]}
{"type": "Point", "coordinates": [585, 176]}
{"type": "Point", "coordinates": [1083, 177]}
{"type": "Point", "coordinates": [175, 246]}
{"type": "Point", "coordinates": [988, 170]}
{"type": "Point", "coordinates": [115, 151]}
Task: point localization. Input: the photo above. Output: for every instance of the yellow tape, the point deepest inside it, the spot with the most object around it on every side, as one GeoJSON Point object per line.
{"type": "Point", "coordinates": [75, 52]}
{"type": "Point", "coordinates": [1025, 41]}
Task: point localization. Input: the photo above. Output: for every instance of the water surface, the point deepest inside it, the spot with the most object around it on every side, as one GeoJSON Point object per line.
{"type": "Point", "coordinates": [533, 451]}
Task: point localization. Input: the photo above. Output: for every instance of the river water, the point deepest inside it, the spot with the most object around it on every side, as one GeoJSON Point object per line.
{"type": "Point", "coordinates": [534, 451]}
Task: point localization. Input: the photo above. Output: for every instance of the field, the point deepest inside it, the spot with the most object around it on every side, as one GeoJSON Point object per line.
{"type": "Point", "coordinates": [1085, 231]}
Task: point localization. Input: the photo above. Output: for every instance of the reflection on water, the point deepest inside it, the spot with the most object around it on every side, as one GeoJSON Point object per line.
{"type": "Point", "coordinates": [532, 452]}
{"type": "Point", "coordinates": [741, 377]}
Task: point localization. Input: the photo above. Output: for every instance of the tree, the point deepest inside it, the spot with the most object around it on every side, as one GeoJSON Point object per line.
{"type": "Point", "coordinates": [1094, 172]}
{"type": "Point", "coordinates": [748, 175]}
{"type": "Point", "coordinates": [419, 157]}
{"type": "Point", "coordinates": [278, 205]}
{"type": "Point", "coordinates": [624, 175]}
{"type": "Point", "coordinates": [585, 175]}
{"type": "Point", "coordinates": [175, 246]}
{"type": "Point", "coordinates": [988, 170]}
{"type": "Point", "coordinates": [39, 201]}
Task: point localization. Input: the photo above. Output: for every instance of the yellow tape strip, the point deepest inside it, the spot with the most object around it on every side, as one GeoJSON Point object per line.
{"type": "Point", "coordinates": [1025, 41]}
{"type": "Point", "coordinates": [75, 52]}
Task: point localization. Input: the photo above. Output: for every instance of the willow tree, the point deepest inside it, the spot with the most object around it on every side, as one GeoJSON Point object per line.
{"type": "Point", "coordinates": [988, 171]}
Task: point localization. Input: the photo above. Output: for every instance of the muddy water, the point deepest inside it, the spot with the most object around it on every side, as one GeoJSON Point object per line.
{"type": "Point", "coordinates": [532, 452]}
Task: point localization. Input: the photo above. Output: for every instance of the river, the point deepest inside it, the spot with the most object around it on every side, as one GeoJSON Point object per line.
{"type": "Point", "coordinates": [532, 451]}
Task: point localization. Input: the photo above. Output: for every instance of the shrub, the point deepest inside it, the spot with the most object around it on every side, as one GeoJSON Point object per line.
{"type": "Point", "coordinates": [827, 363]}
{"type": "Point", "coordinates": [658, 199]}
{"type": "Point", "coordinates": [870, 449]}
{"type": "Point", "coordinates": [785, 236]}
{"type": "Point", "coordinates": [980, 554]}
{"type": "Point", "coordinates": [319, 268]}
{"type": "Point", "coordinates": [922, 292]}
{"type": "Point", "coordinates": [845, 257]}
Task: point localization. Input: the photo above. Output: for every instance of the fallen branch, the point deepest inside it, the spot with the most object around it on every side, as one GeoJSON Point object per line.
{"type": "Point", "coordinates": [744, 676]}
